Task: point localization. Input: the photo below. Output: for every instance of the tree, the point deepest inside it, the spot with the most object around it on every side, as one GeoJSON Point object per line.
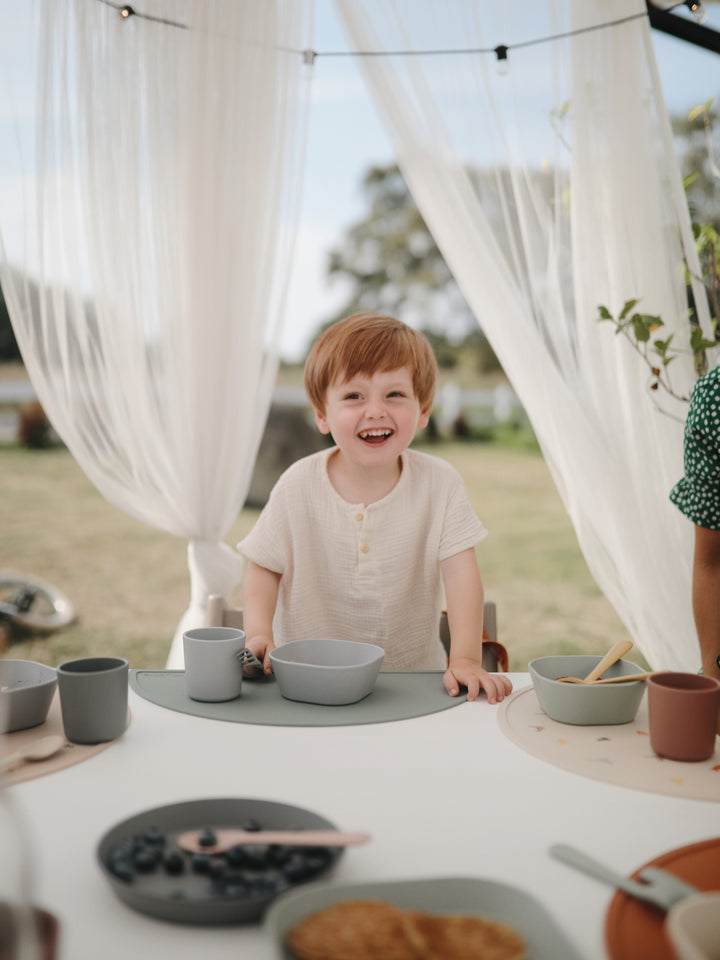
{"type": "Point", "coordinates": [697, 136]}
{"type": "Point", "coordinates": [394, 265]}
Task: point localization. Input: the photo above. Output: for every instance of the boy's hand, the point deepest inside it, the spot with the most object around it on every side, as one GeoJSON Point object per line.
{"type": "Point", "coordinates": [260, 645]}
{"type": "Point", "coordinates": [470, 673]}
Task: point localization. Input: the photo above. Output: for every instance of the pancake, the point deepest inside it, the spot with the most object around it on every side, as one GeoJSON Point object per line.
{"type": "Point", "coordinates": [462, 937]}
{"type": "Point", "coordinates": [353, 930]}
{"type": "Point", "coordinates": [374, 930]}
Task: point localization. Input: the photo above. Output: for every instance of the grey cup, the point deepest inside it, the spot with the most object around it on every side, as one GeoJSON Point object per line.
{"type": "Point", "coordinates": [93, 698]}
{"type": "Point", "coordinates": [213, 663]}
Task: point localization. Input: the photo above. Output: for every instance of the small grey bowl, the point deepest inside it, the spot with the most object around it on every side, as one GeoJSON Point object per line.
{"type": "Point", "coordinates": [585, 704]}
{"type": "Point", "coordinates": [331, 672]}
{"type": "Point", "coordinates": [26, 692]}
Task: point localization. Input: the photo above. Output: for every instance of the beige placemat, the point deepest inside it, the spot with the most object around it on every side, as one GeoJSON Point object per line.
{"type": "Point", "coordinates": [70, 754]}
{"type": "Point", "coordinates": [619, 753]}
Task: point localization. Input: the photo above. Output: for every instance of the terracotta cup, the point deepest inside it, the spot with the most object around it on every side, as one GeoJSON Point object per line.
{"type": "Point", "coordinates": [683, 710]}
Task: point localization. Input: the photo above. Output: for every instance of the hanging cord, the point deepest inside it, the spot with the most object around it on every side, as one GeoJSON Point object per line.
{"type": "Point", "coordinates": [309, 56]}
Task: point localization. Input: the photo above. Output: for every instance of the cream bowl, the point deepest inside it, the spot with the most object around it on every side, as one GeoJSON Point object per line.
{"type": "Point", "coordinates": [693, 926]}
{"type": "Point", "coordinates": [26, 691]}
{"type": "Point", "coordinates": [325, 671]}
{"type": "Point", "coordinates": [585, 704]}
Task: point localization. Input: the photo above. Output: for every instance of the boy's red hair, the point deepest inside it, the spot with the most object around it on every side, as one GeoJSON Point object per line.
{"type": "Point", "coordinates": [368, 343]}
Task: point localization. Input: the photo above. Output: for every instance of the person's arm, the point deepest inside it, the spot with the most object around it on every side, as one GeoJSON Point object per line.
{"type": "Point", "coordinates": [706, 597]}
{"type": "Point", "coordinates": [260, 594]}
{"type": "Point", "coordinates": [465, 599]}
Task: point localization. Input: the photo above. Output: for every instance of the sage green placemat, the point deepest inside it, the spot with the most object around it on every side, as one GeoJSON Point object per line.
{"type": "Point", "coordinates": [396, 696]}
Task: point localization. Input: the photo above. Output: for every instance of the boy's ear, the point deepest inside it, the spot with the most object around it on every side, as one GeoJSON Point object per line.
{"type": "Point", "coordinates": [321, 422]}
{"type": "Point", "coordinates": [423, 419]}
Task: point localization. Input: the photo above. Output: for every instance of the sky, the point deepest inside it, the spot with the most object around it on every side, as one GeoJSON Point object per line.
{"type": "Point", "coordinates": [346, 137]}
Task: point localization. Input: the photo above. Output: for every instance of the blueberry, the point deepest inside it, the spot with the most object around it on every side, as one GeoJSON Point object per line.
{"type": "Point", "coordinates": [217, 867]}
{"type": "Point", "coordinates": [317, 859]}
{"type": "Point", "coordinates": [295, 868]}
{"type": "Point", "coordinates": [155, 836]}
{"type": "Point", "coordinates": [207, 838]}
{"type": "Point", "coordinates": [200, 862]}
{"type": "Point", "coordinates": [123, 849]}
{"type": "Point", "coordinates": [257, 856]}
{"type": "Point", "coordinates": [279, 852]}
{"type": "Point", "coordinates": [237, 855]}
{"type": "Point", "coordinates": [174, 862]}
{"type": "Point", "coordinates": [146, 859]}
{"type": "Point", "coordinates": [122, 870]}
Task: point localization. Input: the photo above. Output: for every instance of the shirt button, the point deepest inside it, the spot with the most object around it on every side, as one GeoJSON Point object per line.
{"type": "Point", "coordinates": [364, 548]}
{"type": "Point", "coordinates": [358, 516]}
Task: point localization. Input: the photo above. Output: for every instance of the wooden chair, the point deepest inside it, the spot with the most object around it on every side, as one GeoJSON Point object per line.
{"type": "Point", "coordinates": [495, 657]}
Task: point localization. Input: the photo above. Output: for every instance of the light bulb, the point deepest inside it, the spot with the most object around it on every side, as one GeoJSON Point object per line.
{"type": "Point", "coordinates": [697, 10]}
{"type": "Point", "coordinates": [503, 64]}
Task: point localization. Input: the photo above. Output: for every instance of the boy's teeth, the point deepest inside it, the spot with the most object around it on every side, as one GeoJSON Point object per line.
{"type": "Point", "coordinates": [373, 433]}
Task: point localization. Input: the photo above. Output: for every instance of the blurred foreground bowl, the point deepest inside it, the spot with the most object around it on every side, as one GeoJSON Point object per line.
{"type": "Point", "coordinates": [330, 672]}
{"type": "Point", "coordinates": [585, 704]}
{"type": "Point", "coordinates": [693, 927]}
{"type": "Point", "coordinates": [26, 691]}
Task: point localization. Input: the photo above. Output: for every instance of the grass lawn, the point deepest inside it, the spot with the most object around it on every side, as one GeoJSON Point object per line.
{"type": "Point", "coordinates": [130, 585]}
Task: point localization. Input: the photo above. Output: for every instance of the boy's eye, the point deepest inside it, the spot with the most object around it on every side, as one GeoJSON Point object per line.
{"type": "Point", "coordinates": [351, 396]}
{"type": "Point", "coordinates": [396, 393]}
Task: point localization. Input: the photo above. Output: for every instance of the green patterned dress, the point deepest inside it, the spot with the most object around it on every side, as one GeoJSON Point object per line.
{"type": "Point", "coordinates": [697, 495]}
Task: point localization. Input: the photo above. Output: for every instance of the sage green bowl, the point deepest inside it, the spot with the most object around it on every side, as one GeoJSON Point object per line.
{"type": "Point", "coordinates": [585, 704]}
{"type": "Point", "coordinates": [26, 692]}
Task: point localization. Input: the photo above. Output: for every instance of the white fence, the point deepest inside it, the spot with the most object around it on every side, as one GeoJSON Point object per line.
{"type": "Point", "coordinates": [479, 408]}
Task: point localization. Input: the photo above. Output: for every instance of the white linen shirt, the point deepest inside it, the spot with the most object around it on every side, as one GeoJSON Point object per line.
{"type": "Point", "coordinates": [371, 573]}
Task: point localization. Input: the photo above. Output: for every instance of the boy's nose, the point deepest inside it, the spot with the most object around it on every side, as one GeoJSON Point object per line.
{"type": "Point", "coordinates": [375, 408]}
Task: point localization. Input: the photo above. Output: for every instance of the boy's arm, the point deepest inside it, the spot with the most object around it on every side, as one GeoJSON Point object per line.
{"type": "Point", "coordinates": [260, 593]}
{"type": "Point", "coordinates": [465, 598]}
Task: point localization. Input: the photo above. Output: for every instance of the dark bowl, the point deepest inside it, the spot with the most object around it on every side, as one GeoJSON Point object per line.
{"type": "Point", "coordinates": [242, 894]}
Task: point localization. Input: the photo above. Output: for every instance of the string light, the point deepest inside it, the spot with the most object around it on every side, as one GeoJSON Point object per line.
{"type": "Point", "coordinates": [126, 12]}
{"type": "Point", "coordinates": [503, 64]}
{"type": "Point", "coordinates": [697, 10]}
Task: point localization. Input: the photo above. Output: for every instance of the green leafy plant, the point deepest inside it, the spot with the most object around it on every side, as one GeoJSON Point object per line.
{"type": "Point", "coordinates": [658, 353]}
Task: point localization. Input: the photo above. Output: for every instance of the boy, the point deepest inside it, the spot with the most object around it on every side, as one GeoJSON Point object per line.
{"type": "Point", "coordinates": [356, 542]}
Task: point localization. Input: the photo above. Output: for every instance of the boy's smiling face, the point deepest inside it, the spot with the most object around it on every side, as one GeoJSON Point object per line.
{"type": "Point", "coordinates": [373, 418]}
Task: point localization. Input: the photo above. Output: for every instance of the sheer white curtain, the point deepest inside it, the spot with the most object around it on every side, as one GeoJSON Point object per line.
{"type": "Point", "coordinates": [145, 262]}
{"type": "Point", "coordinates": [552, 190]}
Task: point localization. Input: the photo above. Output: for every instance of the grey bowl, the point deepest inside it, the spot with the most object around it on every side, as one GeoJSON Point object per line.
{"type": "Point", "coordinates": [585, 704]}
{"type": "Point", "coordinates": [330, 672]}
{"type": "Point", "coordinates": [26, 692]}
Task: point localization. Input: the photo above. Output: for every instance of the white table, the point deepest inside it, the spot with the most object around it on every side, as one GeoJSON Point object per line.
{"type": "Point", "coordinates": [445, 794]}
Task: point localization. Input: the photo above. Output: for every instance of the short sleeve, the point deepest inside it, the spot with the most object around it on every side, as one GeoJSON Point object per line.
{"type": "Point", "coordinates": [697, 494]}
{"type": "Point", "coordinates": [462, 528]}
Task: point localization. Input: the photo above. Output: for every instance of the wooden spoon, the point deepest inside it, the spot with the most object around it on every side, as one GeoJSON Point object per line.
{"type": "Point", "coordinates": [615, 653]}
{"type": "Point", "coordinates": [37, 750]}
{"type": "Point", "coordinates": [224, 839]}
{"type": "Point", "coordinates": [629, 678]}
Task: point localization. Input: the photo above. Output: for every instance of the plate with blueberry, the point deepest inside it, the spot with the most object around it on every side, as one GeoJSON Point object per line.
{"type": "Point", "coordinates": [150, 872]}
